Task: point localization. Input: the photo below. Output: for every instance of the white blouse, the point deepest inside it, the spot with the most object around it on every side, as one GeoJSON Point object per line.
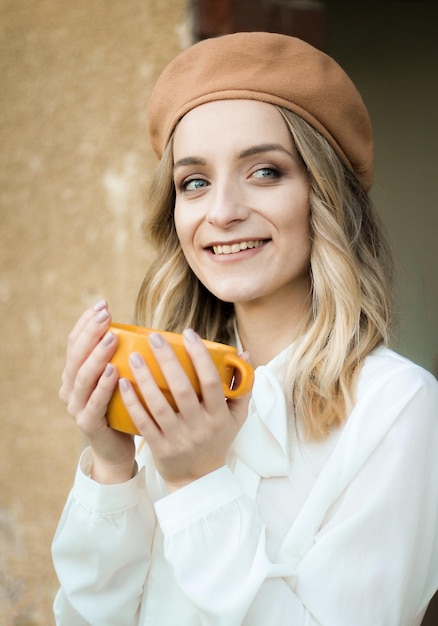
{"type": "Point", "coordinates": [335, 533]}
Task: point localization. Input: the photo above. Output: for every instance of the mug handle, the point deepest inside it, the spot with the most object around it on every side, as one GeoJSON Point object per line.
{"type": "Point", "coordinates": [246, 376]}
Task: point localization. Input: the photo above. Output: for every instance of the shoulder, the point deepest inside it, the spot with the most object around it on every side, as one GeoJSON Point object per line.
{"type": "Point", "coordinates": [392, 389]}
{"type": "Point", "coordinates": [396, 407]}
{"type": "Point", "coordinates": [385, 368]}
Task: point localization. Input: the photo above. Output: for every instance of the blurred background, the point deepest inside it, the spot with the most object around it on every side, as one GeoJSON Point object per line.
{"type": "Point", "coordinates": [75, 163]}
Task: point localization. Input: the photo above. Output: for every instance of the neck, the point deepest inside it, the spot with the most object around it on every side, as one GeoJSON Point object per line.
{"type": "Point", "coordinates": [267, 328]}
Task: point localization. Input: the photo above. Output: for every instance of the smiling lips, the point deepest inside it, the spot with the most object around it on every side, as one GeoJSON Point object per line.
{"type": "Point", "coordinates": [236, 247]}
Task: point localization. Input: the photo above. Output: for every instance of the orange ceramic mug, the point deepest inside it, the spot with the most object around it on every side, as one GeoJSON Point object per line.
{"type": "Point", "coordinates": [135, 339]}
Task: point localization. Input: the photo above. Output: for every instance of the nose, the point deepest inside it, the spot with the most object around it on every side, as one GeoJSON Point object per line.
{"type": "Point", "coordinates": [227, 204]}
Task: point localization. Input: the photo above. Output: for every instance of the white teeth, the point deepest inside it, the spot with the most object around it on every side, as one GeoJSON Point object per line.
{"type": "Point", "coordinates": [236, 247]}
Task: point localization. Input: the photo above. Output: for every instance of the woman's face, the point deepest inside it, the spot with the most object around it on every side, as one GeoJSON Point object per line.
{"type": "Point", "coordinates": [242, 202]}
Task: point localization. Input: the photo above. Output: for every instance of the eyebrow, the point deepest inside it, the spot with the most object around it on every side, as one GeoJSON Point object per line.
{"type": "Point", "coordinates": [264, 147]}
{"type": "Point", "coordinates": [259, 149]}
{"type": "Point", "coordinates": [189, 161]}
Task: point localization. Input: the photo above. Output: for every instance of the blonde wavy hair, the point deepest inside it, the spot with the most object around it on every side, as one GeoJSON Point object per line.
{"type": "Point", "coordinates": [351, 268]}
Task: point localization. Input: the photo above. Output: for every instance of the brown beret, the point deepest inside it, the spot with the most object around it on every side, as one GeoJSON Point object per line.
{"type": "Point", "coordinates": [272, 68]}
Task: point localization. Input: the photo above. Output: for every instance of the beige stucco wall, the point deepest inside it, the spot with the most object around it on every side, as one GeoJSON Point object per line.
{"type": "Point", "coordinates": [74, 162]}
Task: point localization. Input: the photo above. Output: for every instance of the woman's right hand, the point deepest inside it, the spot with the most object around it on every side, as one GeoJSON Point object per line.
{"type": "Point", "coordinates": [88, 382]}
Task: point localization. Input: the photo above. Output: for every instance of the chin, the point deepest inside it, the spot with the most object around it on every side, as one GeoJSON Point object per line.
{"type": "Point", "coordinates": [234, 296]}
{"type": "Point", "coordinates": [235, 290]}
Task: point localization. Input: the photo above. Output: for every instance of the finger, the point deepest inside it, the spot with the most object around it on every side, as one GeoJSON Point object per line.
{"type": "Point", "coordinates": [92, 417]}
{"type": "Point", "coordinates": [208, 375]}
{"type": "Point", "coordinates": [89, 373]}
{"type": "Point", "coordinates": [156, 402]}
{"type": "Point", "coordinates": [86, 316]}
{"type": "Point", "coordinates": [81, 345]}
{"type": "Point", "coordinates": [178, 381]}
{"type": "Point", "coordinates": [238, 408]}
{"type": "Point", "coordinates": [142, 419]}
{"type": "Point", "coordinates": [91, 325]}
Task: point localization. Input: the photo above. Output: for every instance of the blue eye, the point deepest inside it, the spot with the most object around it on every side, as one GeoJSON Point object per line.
{"type": "Point", "coordinates": [193, 184]}
{"type": "Point", "coordinates": [267, 172]}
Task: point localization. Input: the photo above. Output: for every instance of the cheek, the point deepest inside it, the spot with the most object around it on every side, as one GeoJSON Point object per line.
{"type": "Point", "coordinates": [299, 234]}
{"type": "Point", "coordinates": [185, 230]}
{"type": "Point", "coordinates": [180, 224]}
{"type": "Point", "coordinates": [297, 222]}
{"type": "Point", "coordinates": [177, 222]}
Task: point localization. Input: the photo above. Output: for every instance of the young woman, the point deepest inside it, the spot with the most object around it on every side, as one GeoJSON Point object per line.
{"type": "Point", "coordinates": [315, 500]}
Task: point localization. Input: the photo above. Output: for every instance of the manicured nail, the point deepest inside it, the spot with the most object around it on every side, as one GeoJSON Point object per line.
{"type": "Point", "coordinates": [190, 335]}
{"type": "Point", "coordinates": [156, 340]}
{"type": "Point", "coordinates": [109, 338]}
{"type": "Point", "coordinates": [102, 304]}
{"type": "Point", "coordinates": [109, 370]}
{"type": "Point", "coordinates": [136, 360]}
{"type": "Point", "coordinates": [102, 317]}
{"type": "Point", "coordinates": [124, 384]}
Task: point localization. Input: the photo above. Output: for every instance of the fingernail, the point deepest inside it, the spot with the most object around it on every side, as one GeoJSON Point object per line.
{"type": "Point", "coordinates": [190, 335]}
{"type": "Point", "coordinates": [109, 338]}
{"type": "Point", "coordinates": [102, 304]}
{"type": "Point", "coordinates": [124, 384]}
{"type": "Point", "coordinates": [156, 340]}
{"type": "Point", "coordinates": [136, 360]}
{"type": "Point", "coordinates": [102, 317]}
{"type": "Point", "coordinates": [109, 370]}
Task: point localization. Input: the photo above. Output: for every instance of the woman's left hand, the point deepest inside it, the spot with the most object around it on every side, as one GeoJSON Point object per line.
{"type": "Point", "coordinates": [195, 440]}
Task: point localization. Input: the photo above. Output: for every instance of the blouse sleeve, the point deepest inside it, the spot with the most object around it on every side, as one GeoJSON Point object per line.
{"type": "Point", "coordinates": [373, 558]}
{"type": "Point", "coordinates": [215, 542]}
{"type": "Point", "coordinates": [101, 551]}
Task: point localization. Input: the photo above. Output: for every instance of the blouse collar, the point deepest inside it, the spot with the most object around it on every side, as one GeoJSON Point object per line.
{"type": "Point", "coordinates": [262, 442]}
